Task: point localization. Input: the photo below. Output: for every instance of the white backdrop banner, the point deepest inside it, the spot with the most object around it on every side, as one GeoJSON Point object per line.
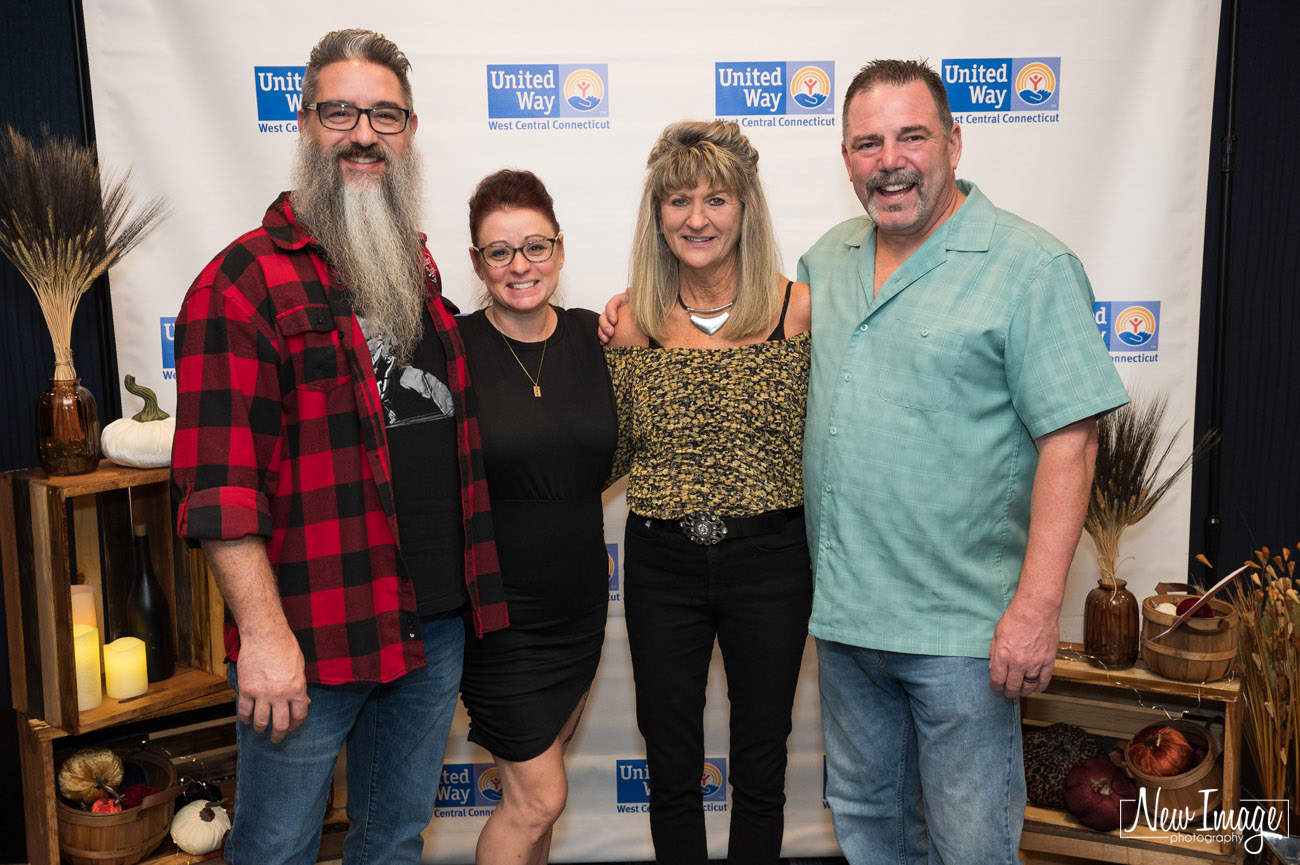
{"type": "Point", "coordinates": [1089, 117]}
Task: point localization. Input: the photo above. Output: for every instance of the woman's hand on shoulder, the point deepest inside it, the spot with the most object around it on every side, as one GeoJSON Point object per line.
{"type": "Point", "coordinates": [798, 318]}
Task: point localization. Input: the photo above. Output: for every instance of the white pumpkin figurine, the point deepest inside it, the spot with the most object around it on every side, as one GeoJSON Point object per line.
{"type": "Point", "coordinates": [200, 827]}
{"type": "Point", "coordinates": [143, 440]}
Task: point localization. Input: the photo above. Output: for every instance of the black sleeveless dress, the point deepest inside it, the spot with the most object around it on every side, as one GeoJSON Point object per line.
{"type": "Point", "coordinates": [547, 459]}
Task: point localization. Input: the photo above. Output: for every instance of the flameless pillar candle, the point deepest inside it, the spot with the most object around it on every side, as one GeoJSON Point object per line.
{"type": "Point", "coordinates": [124, 668]}
{"type": "Point", "coordinates": [83, 606]}
{"type": "Point", "coordinates": [85, 648]}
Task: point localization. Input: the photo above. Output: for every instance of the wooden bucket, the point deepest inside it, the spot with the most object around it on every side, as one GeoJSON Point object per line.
{"type": "Point", "coordinates": [125, 838]}
{"type": "Point", "coordinates": [1184, 790]}
{"type": "Point", "coordinates": [1201, 650]}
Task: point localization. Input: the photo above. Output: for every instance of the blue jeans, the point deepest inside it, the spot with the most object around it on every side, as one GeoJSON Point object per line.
{"type": "Point", "coordinates": [923, 759]}
{"type": "Point", "coordinates": [395, 734]}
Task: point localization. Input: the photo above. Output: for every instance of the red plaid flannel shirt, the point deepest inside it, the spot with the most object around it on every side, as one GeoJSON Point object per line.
{"type": "Point", "coordinates": [280, 434]}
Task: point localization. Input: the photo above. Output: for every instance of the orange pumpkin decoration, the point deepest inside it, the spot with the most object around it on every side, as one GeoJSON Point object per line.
{"type": "Point", "coordinates": [1160, 750]}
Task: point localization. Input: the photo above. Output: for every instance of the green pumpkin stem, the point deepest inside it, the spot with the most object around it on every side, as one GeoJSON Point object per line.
{"type": "Point", "coordinates": [150, 410]}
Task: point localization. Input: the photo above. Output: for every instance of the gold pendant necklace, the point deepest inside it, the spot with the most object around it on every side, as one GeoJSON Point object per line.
{"type": "Point", "coordinates": [537, 388]}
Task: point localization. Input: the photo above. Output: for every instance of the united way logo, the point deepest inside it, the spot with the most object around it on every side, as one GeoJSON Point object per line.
{"type": "Point", "coordinates": [547, 90]}
{"type": "Point", "coordinates": [1129, 326]}
{"type": "Point", "coordinates": [468, 785]}
{"type": "Point", "coordinates": [1003, 84]}
{"type": "Point", "coordinates": [279, 96]}
{"type": "Point", "coordinates": [810, 87]}
{"type": "Point", "coordinates": [779, 87]}
{"type": "Point", "coordinates": [713, 780]}
{"type": "Point", "coordinates": [631, 782]}
{"type": "Point", "coordinates": [489, 785]}
{"type": "Point", "coordinates": [167, 334]}
{"type": "Point", "coordinates": [632, 785]}
{"type": "Point", "coordinates": [584, 90]}
{"type": "Point", "coordinates": [611, 554]}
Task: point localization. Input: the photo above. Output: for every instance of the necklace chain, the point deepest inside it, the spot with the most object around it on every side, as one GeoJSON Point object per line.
{"type": "Point", "coordinates": [537, 387]}
{"type": "Point", "coordinates": [728, 305]}
{"type": "Point", "coordinates": [708, 325]}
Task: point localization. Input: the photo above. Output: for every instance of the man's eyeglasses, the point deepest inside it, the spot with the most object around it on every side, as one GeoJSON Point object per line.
{"type": "Point", "coordinates": [342, 116]}
{"type": "Point", "coordinates": [536, 250]}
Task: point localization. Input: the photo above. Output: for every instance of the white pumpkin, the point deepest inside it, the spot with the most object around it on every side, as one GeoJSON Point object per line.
{"type": "Point", "coordinates": [200, 827]}
{"type": "Point", "coordinates": [143, 440]}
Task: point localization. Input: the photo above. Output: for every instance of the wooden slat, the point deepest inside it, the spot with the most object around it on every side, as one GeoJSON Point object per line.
{"type": "Point", "coordinates": [1071, 663]}
{"type": "Point", "coordinates": [10, 561]}
{"type": "Point", "coordinates": [37, 769]}
{"type": "Point", "coordinates": [109, 476]}
{"type": "Point", "coordinates": [188, 689]}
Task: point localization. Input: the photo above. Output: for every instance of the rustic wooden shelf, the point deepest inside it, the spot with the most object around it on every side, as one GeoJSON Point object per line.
{"type": "Point", "coordinates": [59, 531]}
{"type": "Point", "coordinates": [1116, 704]}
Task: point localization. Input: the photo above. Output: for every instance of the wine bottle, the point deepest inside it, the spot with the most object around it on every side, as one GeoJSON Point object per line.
{"type": "Point", "coordinates": [147, 614]}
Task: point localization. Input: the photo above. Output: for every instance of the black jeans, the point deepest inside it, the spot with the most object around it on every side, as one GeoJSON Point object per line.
{"type": "Point", "coordinates": [754, 595]}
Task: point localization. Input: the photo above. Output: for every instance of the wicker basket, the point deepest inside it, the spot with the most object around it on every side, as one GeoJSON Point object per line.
{"type": "Point", "coordinates": [127, 837]}
{"type": "Point", "coordinates": [1185, 790]}
{"type": "Point", "coordinates": [1201, 650]}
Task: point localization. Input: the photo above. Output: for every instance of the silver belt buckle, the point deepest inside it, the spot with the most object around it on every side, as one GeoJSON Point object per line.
{"type": "Point", "coordinates": [703, 528]}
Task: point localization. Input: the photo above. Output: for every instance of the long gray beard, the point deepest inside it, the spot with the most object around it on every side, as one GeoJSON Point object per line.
{"type": "Point", "coordinates": [370, 236]}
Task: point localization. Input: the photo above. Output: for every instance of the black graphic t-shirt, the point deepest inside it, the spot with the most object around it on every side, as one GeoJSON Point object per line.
{"type": "Point", "coordinates": [421, 423]}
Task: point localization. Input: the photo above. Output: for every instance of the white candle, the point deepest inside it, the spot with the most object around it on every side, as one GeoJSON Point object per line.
{"type": "Point", "coordinates": [125, 674]}
{"type": "Point", "coordinates": [85, 648]}
{"type": "Point", "coordinates": [83, 606]}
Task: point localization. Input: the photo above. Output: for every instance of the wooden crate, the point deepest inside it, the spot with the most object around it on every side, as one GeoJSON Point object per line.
{"type": "Point", "coordinates": [1115, 704]}
{"type": "Point", "coordinates": [56, 532]}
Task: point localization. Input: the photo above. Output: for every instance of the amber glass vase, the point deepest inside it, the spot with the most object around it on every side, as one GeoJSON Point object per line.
{"type": "Point", "coordinates": [67, 428]}
{"type": "Point", "coordinates": [1110, 625]}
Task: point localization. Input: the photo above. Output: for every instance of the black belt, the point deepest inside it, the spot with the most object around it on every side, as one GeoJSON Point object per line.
{"type": "Point", "coordinates": [708, 528]}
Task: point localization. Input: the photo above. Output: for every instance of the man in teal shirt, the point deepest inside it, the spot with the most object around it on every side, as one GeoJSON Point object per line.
{"type": "Point", "coordinates": [948, 455]}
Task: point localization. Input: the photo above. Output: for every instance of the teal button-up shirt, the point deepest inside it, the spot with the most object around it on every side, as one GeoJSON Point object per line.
{"type": "Point", "coordinates": [924, 403]}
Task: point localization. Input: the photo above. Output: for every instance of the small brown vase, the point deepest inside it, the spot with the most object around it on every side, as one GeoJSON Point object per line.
{"type": "Point", "coordinates": [1110, 626]}
{"type": "Point", "coordinates": [67, 428]}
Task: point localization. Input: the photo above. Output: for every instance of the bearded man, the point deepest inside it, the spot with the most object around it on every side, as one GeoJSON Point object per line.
{"type": "Point", "coordinates": [327, 460]}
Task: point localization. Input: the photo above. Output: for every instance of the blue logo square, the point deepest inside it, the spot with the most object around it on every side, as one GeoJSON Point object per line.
{"type": "Point", "coordinates": [750, 88]}
{"type": "Point", "coordinates": [611, 550]}
{"type": "Point", "coordinates": [167, 326]}
{"type": "Point", "coordinates": [456, 786]}
{"type": "Point", "coordinates": [978, 84]}
{"type": "Point", "coordinates": [279, 91]}
{"type": "Point", "coordinates": [632, 782]}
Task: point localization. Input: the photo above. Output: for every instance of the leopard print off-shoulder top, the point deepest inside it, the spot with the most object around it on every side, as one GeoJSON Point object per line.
{"type": "Point", "coordinates": [716, 430]}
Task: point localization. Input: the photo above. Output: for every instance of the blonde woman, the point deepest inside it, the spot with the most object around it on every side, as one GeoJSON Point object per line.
{"type": "Point", "coordinates": [710, 362]}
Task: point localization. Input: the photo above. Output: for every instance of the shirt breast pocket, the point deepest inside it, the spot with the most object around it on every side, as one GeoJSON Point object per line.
{"type": "Point", "coordinates": [919, 365]}
{"type": "Point", "coordinates": [315, 348]}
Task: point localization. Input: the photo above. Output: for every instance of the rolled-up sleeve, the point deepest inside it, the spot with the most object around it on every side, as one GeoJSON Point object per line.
{"type": "Point", "coordinates": [228, 413]}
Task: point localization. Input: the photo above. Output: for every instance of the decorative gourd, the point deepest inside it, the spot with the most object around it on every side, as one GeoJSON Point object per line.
{"type": "Point", "coordinates": [1050, 754]}
{"type": "Point", "coordinates": [143, 440]}
{"type": "Point", "coordinates": [200, 827]}
{"type": "Point", "coordinates": [1160, 750]}
{"type": "Point", "coordinates": [90, 775]}
{"type": "Point", "coordinates": [1093, 793]}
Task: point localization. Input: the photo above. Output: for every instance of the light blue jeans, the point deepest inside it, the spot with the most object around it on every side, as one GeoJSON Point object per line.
{"type": "Point", "coordinates": [923, 759]}
{"type": "Point", "coordinates": [395, 735]}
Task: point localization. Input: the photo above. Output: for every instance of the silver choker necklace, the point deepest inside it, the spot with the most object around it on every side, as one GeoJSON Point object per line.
{"type": "Point", "coordinates": [708, 325]}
